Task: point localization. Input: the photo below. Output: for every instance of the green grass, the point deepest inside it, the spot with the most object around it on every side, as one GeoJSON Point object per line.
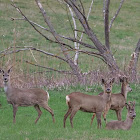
{"type": "Point", "coordinates": [25, 129]}
{"type": "Point", "coordinates": [123, 37]}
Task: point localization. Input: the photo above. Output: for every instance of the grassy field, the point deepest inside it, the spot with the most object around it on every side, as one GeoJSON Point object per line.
{"type": "Point", "coordinates": [123, 39]}
{"type": "Point", "coordinates": [25, 129]}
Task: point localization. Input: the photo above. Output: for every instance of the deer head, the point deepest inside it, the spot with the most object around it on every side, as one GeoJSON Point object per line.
{"type": "Point", "coordinates": [6, 75]}
{"type": "Point", "coordinates": [108, 85]}
{"type": "Point", "coordinates": [125, 82]}
{"type": "Point", "coordinates": [131, 110]}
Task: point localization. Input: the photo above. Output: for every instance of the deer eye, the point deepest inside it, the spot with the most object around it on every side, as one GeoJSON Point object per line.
{"type": "Point", "coordinates": [3, 75]}
{"type": "Point", "coordinates": [130, 112]}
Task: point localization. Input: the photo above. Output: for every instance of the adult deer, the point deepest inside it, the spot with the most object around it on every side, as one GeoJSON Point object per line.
{"type": "Point", "coordinates": [88, 103]}
{"type": "Point", "coordinates": [25, 97]}
{"type": "Point", "coordinates": [117, 101]}
{"type": "Point", "coordinates": [124, 125]}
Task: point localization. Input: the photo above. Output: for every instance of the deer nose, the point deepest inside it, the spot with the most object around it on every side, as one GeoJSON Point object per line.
{"type": "Point", "coordinates": [5, 79]}
{"type": "Point", "coordinates": [108, 90]}
{"type": "Point", "coordinates": [134, 115]}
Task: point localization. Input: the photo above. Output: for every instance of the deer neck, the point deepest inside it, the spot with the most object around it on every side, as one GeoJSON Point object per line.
{"type": "Point", "coordinates": [106, 97]}
{"type": "Point", "coordinates": [124, 91]}
{"type": "Point", "coordinates": [128, 122]}
{"type": "Point", "coordinates": [7, 86]}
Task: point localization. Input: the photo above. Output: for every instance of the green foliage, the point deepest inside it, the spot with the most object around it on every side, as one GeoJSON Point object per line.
{"type": "Point", "coordinates": [25, 129]}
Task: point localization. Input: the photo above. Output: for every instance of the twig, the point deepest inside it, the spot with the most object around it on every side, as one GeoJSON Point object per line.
{"type": "Point", "coordinates": [33, 55]}
{"type": "Point", "coordinates": [116, 14]}
{"type": "Point", "coordinates": [76, 56]}
{"type": "Point", "coordinates": [18, 9]}
{"type": "Point", "coordinates": [80, 42]}
{"type": "Point", "coordinates": [30, 48]}
{"type": "Point", "coordinates": [63, 72]}
{"type": "Point", "coordinates": [31, 22]}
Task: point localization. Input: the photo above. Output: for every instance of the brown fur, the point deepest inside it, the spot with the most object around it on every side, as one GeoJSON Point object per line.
{"type": "Point", "coordinates": [124, 125]}
{"type": "Point", "coordinates": [88, 103]}
{"type": "Point", "coordinates": [117, 101]}
{"type": "Point", "coordinates": [25, 97]}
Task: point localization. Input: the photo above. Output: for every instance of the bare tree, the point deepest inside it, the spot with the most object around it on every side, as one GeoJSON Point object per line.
{"type": "Point", "coordinates": [98, 49]}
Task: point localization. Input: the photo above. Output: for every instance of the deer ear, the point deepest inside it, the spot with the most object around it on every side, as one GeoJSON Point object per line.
{"type": "Point", "coordinates": [112, 81]}
{"type": "Point", "coordinates": [103, 81]}
{"type": "Point", "coordinates": [134, 104]}
{"type": "Point", "coordinates": [1, 71]}
{"type": "Point", "coordinates": [127, 105]}
{"type": "Point", "coordinates": [121, 79]}
{"type": "Point", "coordinates": [9, 70]}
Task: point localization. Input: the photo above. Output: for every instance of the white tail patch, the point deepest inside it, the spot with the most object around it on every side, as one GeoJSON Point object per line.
{"type": "Point", "coordinates": [48, 95]}
{"type": "Point", "coordinates": [67, 99]}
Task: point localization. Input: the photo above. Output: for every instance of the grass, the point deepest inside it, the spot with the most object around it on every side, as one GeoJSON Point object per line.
{"type": "Point", "coordinates": [123, 37]}
{"type": "Point", "coordinates": [25, 129]}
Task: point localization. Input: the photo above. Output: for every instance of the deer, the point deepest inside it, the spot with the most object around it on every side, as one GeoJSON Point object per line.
{"type": "Point", "coordinates": [88, 103]}
{"type": "Point", "coordinates": [25, 97]}
{"type": "Point", "coordinates": [117, 101]}
{"type": "Point", "coordinates": [124, 125]}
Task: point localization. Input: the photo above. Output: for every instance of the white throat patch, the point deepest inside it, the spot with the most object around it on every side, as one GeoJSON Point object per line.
{"type": "Point", "coordinates": [5, 88]}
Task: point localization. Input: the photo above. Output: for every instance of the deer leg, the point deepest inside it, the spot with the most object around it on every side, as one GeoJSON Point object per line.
{"type": "Point", "coordinates": [46, 107]}
{"type": "Point", "coordinates": [104, 116]}
{"type": "Point", "coordinates": [72, 115]}
{"type": "Point", "coordinates": [120, 114]}
{"type": "Point", "coordinates": [15, 107]}
{"type": "Point", "coordinates": [94, 114]}
{"type": "Point", "coordinates": [39, 112]}
{"type": "Point", "coordinates": [106, 111]}
{"type": "Point", "coordinates": [98, 117]}
{"type": "Point", "coordinates": [66, 115]}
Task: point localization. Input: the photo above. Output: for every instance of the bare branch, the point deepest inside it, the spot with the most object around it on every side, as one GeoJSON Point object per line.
{"type": "Point", "coordinates": [60, 71]}
{"type": "Point", "coordinates": [77, 53]}
{"type": "Point", "coordinates": [80, 42]}
{"type": "Point", "coordinates": [6, 52]}
{"type": "Point", "coordinates": [74, 68]}
{"type": "Point", "coordinates": [98, 55]}
{"type": "Point", "coordinates": [90, 9]}
{"type": "Point", "coordinates": [116, 14]}
{"type": "Point", "coordinates": [75, 34]}
{"type": "Point", "coordinates": [31, 22]}
{"type": "Point", "coordinates": [106, 22]}
{"type": "Point", "coordinates": [85, 25]}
